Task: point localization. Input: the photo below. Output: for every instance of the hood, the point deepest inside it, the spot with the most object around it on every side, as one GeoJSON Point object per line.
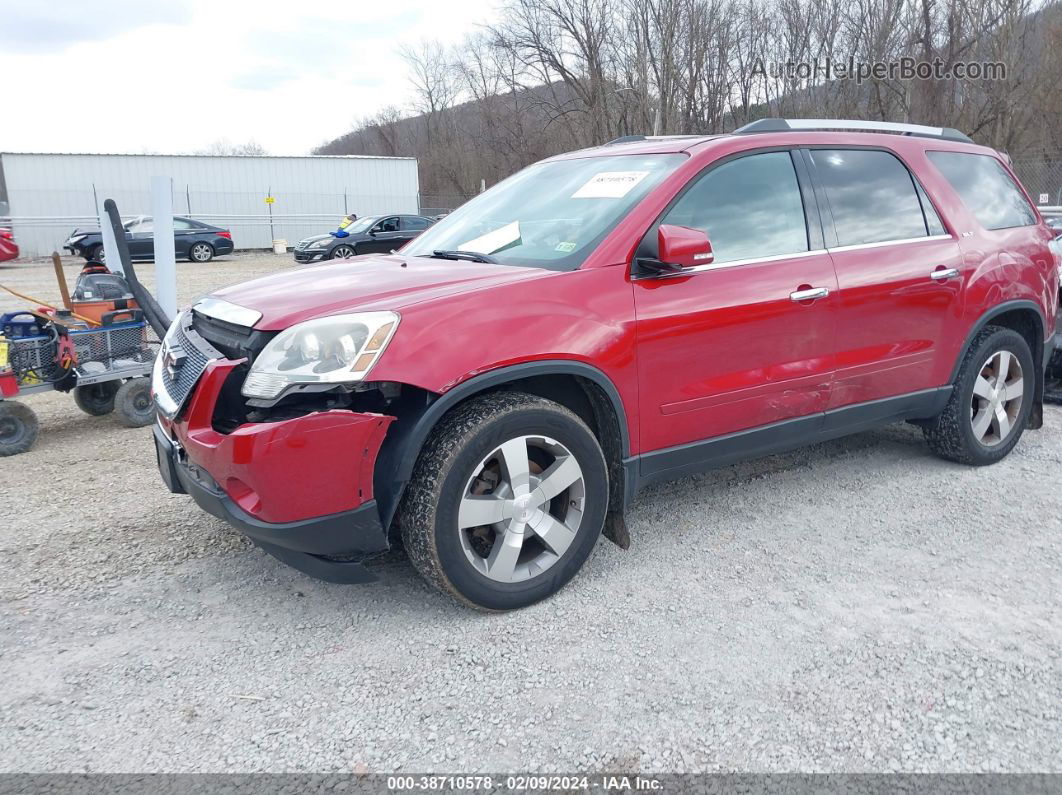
{"type": "Point", "coordinates": [365, 283]}
{"type": "Point", "coordinates": [314, 238]}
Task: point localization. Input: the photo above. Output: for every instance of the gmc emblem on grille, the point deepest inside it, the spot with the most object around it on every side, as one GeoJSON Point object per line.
{"type": "Point", "coordinates": [172, 359]}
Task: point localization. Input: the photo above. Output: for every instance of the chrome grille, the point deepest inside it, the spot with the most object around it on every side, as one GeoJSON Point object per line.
{"type": "Point", "coordinates": [180, 383]}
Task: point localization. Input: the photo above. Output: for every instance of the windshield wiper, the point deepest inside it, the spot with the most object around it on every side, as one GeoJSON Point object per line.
{"type": "Point", "coordinates": [471, 256]}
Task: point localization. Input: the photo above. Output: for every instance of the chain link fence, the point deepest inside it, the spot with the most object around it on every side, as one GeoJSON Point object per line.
{"type": "Point", "coordinates": [254, 223]}
{"type": "Point", "coordinates": [442, 203]}
{"type": "Point", "coordinates": [1042, 178]}
{"type": "Point", "coordinates": [292, 216]}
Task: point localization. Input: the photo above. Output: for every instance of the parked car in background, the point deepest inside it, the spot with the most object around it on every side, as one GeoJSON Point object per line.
{"type": "Point", "coordinates": [373, 234]}
{"type": "Point", "coordinates": [8, 247]}
{"type": "Point", "coordinates": [192, 240]}
{"type": "Point", "coordinates": [494, 397]}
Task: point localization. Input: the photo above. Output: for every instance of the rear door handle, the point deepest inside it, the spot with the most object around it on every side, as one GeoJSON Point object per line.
{"type": "Point", "coordinates": [944, 273]}
{"type": "Point", "coordinates": [809, 295]}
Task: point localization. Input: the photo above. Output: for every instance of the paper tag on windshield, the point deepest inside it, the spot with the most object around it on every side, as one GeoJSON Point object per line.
{"type": "Point", "coordinates": [610, 185]}
{"type": "Point", "coordinates": [494, 241]}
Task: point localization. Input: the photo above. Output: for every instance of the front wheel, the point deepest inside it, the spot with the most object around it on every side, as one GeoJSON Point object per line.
{"type": "Point", "coordinates": [201, 252]}
{"type": "Point", "coordinates": [343, 252]}
{"type": "Point", "coordinates": [990, 402]}
{"type": "Point", "coordinates": [507, 499]}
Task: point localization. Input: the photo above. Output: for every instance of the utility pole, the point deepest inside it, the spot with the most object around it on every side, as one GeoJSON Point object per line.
{"type": "Point", "coordinates": [162, 230]}
{"type": "Point", "coordinates": [269, 204]}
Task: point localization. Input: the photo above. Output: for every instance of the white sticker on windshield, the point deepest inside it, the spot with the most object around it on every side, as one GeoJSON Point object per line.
{"type": "Point", "coordinates": [494, 241]}
{"type": "Point", "coordinates": [610, 185]}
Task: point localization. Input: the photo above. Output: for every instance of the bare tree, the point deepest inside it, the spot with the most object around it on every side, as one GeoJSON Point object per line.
{"type": "Point", "coordinates": [553, 75]}
{"type": "Point", "coordinates": [223, 146]}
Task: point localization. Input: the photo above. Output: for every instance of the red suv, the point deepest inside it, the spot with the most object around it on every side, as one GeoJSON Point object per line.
{"type": "Point", "coordinates": [493, 395]}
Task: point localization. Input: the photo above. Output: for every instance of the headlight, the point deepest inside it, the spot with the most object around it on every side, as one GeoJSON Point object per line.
{"type": "Point", "coordinates": [329, 350]}
{"type": "Point", "coordinates": [76, 238]}
{"type": "Point", "coordinates": [322, 243]}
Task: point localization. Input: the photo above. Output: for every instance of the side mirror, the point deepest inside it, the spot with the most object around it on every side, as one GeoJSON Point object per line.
{"type": "Point", "coordinates": [679, 248]}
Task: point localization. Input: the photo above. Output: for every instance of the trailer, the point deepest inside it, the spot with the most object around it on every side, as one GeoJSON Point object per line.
{"type": "Point", "coordinates": [106, 368]}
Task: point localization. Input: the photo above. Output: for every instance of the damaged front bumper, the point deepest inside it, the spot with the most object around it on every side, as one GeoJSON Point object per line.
{"type": "Point", "coordinates": [300, 488]}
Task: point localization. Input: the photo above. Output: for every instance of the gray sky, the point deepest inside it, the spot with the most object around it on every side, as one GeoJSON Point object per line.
{"type": "Point", "coordinates": [289, 74]}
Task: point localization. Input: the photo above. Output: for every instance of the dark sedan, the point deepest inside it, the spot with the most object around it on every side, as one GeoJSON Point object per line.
{"type": "Point", "coordinates": [373, 234]}
{"type": "Point", "coordinates": [192, 240]}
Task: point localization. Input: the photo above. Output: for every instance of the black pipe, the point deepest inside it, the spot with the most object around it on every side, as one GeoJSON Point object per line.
{"type": "Point", "coordinates": [152, 311]}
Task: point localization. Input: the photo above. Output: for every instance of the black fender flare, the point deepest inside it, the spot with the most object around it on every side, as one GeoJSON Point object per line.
{"type": "Point", "coordinates": [1041, 350]}
{"type": "Point", "coordinates": [394, 466]}
{"type": "Point", "coordinates": [996, 311]}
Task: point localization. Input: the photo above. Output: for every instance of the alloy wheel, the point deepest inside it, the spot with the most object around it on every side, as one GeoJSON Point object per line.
{"type": "Point", "coordinates": [998, 392]}
{"type": "Point", "coordinates": [201, 252]}
{"type": "Point", "coordinates": [342, 252]}
{"type": "Point", "coordinates": [521, 509]}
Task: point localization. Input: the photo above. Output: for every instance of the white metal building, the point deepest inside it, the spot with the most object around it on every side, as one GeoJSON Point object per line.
{"type": "Point", "coordinates": [47, 195]}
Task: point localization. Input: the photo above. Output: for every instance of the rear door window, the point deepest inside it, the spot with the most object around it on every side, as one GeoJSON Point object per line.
{"type": "Point", "coordinates": [872, 196]}
{"type": "Point", "coordinates": [411, 223]}
{"type": "Point", "coordinates": [750, 208]}
{"type": "Point", "coordinates": [986, 189]}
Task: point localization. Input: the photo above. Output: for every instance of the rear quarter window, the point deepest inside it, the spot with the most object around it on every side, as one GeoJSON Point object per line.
{"type": "Point", "coordinates": [985, 187]}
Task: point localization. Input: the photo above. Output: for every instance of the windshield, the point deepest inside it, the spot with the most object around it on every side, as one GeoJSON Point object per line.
{"type": "Point", "coordinates": [361, 225]}
{"type": "Point", "coordinates": [550, 215]}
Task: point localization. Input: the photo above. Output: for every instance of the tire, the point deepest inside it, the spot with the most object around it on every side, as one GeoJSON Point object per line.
{"type": "Point", "coordinates": [343, 252]}
{"type": "Point", "coordinates": [956, 433]}
{"type": "Point", "coordinates": [133, 405]}
{"type": "Point", "coordinates": [96, 399]}
{"type": "Point", "coordinates": [462, 562]}
{"type": "Point", "coordinates": [200, 252]}
{"type": "Point", "coordinates": [98, 254]}
{"type": "Point", "coordinates": [18, 427]}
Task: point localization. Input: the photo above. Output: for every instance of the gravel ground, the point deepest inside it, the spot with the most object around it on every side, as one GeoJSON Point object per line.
{"type": "Point", "coordinates": [856, 606]}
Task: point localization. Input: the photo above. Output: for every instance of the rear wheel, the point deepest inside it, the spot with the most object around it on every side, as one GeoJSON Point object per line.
{"type": "Point", "coordinates": [18, 427]}
{"type": "Point", "coordinates": [133, 405]}
{"type": "Point", "coordinates": [201, 252]}
{"type": "Point", "coordinates": [343, 252]}
{"type": "Point", "coordinates": [990, 402]}
{"type": "Point", "coordinates": [507, 500]}
{"type": "Point", "coordinates": [96, 399]}
{"type": "Point", "coordinates": [98, 255]}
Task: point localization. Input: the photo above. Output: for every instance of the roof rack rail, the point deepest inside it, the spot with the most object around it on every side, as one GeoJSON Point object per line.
{"type": "Point", "coordinates": [785, 125]}
{"type": "Point", "coordinates": [627, 139]}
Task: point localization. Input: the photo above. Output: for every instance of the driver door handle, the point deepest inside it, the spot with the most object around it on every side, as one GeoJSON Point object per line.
{"type": "Point", "coordinates": [944, 273]}
{"type": "Point", "coordinates": [809, 295]}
